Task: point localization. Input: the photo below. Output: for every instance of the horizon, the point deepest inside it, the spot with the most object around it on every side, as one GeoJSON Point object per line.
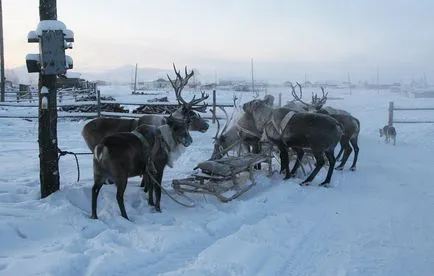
{"type": "Point", "coordinates": [286, 39]}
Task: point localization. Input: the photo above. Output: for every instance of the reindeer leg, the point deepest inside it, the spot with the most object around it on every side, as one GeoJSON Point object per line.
{"type": "Point", "coordinates": [159, 178]}
{"type": "Point", "coordinates": [150, 186]}
{"type": "Point", "coordinates": [356, 153]}
{"type": "Point", "coordinates": [284, 161]}
{"type": "Point", "coordinates": [300, 154]}
{"type": "Point", "coordinates": [98, 182]}
{"type": "Point", "coordinates": [121, 183]}
{"type": "Point", "coordinates": [332, 160]}
{"type": "Point", "coordinates": [345, 144]}
{"type": "Point", "coordinates": [340, 153]}
{"type": "Point", "coordinates": [257, 150]}
{"type": "Point", "coordinates": [319, 157]}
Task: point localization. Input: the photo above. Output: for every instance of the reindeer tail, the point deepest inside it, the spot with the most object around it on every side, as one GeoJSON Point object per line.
{"type": "Point", "coordinates": [100, 152]}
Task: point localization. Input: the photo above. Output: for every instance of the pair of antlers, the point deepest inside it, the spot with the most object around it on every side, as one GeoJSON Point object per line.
{"type": "Point", "coordinates": [179, 83]}
{"type": "Point", "coordinates": [228, 120]}
{"type": "Point", "coordinates": [316, 101]}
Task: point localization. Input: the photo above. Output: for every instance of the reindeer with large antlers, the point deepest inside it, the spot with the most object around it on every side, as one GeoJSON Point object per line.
{"type": "Point", "coordinates": [96, 130]}
{"type": "Point", "coordinates": [350, 124]}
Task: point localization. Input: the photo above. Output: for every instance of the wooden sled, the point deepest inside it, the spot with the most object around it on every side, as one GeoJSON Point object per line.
{"type": "Point", "coordinates": [220, 177]}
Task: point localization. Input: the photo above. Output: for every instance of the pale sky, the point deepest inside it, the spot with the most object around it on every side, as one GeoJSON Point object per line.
{"type": "Point", "coordinates": [286, 38]}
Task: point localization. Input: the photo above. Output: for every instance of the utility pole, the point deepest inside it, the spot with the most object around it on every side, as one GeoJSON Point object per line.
{"type": "Point", "coordinates": [349, 82]}
{"type": "Point", "coordinates": [48, 150]}
{"type": "Point", "coordinates": [135, 80]}
{"type": "Point", "coordinates": [2, 57]}
{"type": "Point", "coordinates": [52, 37]}
{"type": "Point", "coordinates": [253, 81]}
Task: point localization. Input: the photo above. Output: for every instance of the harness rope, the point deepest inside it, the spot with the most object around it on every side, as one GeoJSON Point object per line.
{"type": "Point", "coordinates": [169, 195]}
{"type": "Point", "coordinates": [64, 152]}
{"type": "Point", "coordinates": [150, 168]}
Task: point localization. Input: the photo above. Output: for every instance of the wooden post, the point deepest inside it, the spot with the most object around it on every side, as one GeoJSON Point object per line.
{"type": "Point", "coordinates": [98, 100]}
{"type": "Point", "coordinates": [280, 99]}
{"type": "Point", "coordinates": [2, 58]}
{"type": "Point", "coordinates": [391, 107]}
{"type": "Point", "coordinates": [48, 150]}
{"type": "Point", "coordinates": [214, 106]}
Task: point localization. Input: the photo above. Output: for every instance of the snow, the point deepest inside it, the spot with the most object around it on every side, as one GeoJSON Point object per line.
{"type": "Point", "coordinates": [35, 57]}
{"type": "Point", "coordinates": [377, 220]}
{"type": "Point", "coordinates": [68, 62]}
{"type": "Point", "coordinates": [32, 36]}
{"type": "Point", "coordinates": [50, 25]}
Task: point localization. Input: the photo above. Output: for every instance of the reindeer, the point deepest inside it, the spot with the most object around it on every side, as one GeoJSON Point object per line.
{"type": "Point", "coordinates": [350, 125]}
{"type": "Point", "coordinates": [389, 132]}
{"type": "Point", "coordinates": [289, 129]}
{"type": "Point", "coordinates": [243, 132]}
{"type": "Point", "coordinates": [146, 150]}
{"type": "Point", "coordinates": [94, 131]}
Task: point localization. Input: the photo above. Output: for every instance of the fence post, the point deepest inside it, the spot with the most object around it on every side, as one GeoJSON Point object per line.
{"type": "Point", "coordinates": [280, 99]}
{"type": "Point", "coordinates": [98, 100]}
{"type": "Point", "coordinates": [214, 105]}
{"type": "Point", "coordinates": [391, 107]}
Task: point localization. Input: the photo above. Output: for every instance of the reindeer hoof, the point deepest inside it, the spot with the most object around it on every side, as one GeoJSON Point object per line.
{"type": "Point", "coordinates": [94, 217]}
{"type": "Point", "coordinates": [339, 168]}
{"type": "Point", "coordinates": [325, 185]}
{"type": "Point", "coordinates": [158, 209]}
{"type": "Point", "coordinates": [352, 169]}
{"type": "Point", "coordinates": [304, 184]}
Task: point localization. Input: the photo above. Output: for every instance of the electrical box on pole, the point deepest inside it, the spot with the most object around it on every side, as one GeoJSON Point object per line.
{"type": "Point", "coordinates": [53, 38]}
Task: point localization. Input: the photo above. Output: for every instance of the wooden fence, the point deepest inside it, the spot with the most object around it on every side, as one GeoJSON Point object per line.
{"type": "Point", "coordinates": [392, 121]}
{"type": "Point", "coordinates": [99, 112]}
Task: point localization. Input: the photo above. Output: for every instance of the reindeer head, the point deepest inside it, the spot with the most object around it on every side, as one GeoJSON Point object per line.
{"type": "Point", "coordinates": [316, 104]}
{"type": "Point", "coordinates": [189, 109]}
{"type": "Point", "coordinates": [252, 106]}
{"type": "Point", "coordinates": [179, 129]}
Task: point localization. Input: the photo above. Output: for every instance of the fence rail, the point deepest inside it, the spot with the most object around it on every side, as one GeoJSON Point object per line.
{"type": "Point", "coordinates": [392, 108]}
{"type": "Point", "coordinates": [100, 112]}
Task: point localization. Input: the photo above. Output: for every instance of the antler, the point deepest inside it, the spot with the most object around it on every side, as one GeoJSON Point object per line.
{"type": "Point", "coordinates": [227, 119]}
{"type": "Point", "coordinates": [195, 101]}
{"type": "Point", "coordinates": [180, 83]}
{"type": "Point", "coordinates": [296, 97]}
{"type": "Point", "coordinates": [316, 101]}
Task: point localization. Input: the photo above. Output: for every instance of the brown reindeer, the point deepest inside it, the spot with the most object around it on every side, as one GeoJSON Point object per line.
{"type": "Point", "coordinates": [94, 131]}
{"type": "Point", "coordinates": [146, 150]}
{"type": "Point", "coordinates": [350, 125]}
{"type": "Point", "coordinates": [289, 129]}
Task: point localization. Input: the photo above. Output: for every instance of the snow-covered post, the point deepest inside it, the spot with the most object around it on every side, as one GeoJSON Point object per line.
{"type": "Point", "coordinates": [2, 58]}
{"type": "Point", "coordinates": [391, 108]}
{"type": "Point", "coordinates": [53, 38]}
{"type": "Point", "coordinates": [98, 99]}
{"type": "Point", "coordinates": [214, 106]}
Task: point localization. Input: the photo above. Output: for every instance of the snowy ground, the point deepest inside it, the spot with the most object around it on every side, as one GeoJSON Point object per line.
{"type": "Point", "coordinates": [375, 221]}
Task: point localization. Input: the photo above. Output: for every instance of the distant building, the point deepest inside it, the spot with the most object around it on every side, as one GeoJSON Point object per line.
{"type": "Point", "coordinates": [161, 84]}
